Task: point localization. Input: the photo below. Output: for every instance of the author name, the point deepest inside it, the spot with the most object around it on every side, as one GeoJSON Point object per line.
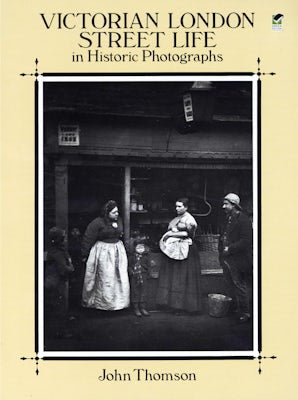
{"type": "Point", "coordinates": [143, 374]}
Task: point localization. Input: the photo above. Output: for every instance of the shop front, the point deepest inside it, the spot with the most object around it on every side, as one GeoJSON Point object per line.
{"type": "Point", "coordinates": [146, 181]}
{"type": "Point", "coordinates": [145, 162]}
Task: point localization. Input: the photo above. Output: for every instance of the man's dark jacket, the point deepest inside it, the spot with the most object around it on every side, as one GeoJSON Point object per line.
{"type": "Point", "coordinates": [238, 237]}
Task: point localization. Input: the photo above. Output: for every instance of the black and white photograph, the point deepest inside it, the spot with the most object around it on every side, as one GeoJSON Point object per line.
{"type": "Point", "coordinates": [148, 216]}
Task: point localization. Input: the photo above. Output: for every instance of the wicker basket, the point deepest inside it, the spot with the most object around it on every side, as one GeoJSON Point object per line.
{"type": "Point", "coordinates": [207, 242]}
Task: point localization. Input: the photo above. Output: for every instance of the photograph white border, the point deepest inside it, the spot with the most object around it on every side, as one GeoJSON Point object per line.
{"type": "Point", "coordinates": [41, 352]}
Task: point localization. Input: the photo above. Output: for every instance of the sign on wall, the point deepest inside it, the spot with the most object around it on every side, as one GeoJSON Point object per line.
{"type": "Point", "coordinates": [68, 135]}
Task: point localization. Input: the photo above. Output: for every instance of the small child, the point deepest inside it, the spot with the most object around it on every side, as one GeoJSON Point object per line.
{"type": "Point", "coordinates": [57, 271]}
{"type": "Point", "coordinates": [138, 269]}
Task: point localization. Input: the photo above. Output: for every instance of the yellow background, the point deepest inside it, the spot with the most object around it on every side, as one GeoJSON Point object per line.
{"type": "Point", "coordinates": [24, 38]}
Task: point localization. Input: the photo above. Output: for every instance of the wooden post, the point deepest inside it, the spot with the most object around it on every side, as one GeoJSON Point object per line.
{"type": "Point", "coordinates": [126, 204]}
{"type": "Point", "coordinates": [61, 196]}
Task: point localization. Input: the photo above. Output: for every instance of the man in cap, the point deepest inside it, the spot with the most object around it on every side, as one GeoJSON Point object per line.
{"type": "Point", "coordinates": [235, 250]}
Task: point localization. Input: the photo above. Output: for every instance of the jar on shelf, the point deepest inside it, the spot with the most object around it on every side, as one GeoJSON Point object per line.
{"type": "Point", "coordinates": [133, 205]}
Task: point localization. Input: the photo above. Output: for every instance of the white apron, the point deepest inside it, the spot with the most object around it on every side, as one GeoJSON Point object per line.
{"type": "Point", "coordinates": [106, 284]}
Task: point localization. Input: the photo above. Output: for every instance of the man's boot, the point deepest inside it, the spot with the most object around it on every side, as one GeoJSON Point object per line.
{"type": "Point", "coordinates": [136, 310]}
{"type": "Point", "coordinates": [143, 310]}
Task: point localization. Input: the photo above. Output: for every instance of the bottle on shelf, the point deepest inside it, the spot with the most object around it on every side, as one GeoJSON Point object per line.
{"type": "Point", "coordinates": [133, 204]}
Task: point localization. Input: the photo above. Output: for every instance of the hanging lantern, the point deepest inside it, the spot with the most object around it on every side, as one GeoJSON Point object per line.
{"type": "Point", "coordinates": [198, 102]}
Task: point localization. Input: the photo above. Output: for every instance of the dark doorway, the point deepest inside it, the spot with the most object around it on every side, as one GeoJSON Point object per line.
{"type": "Point", "coordinates": [89, 188]}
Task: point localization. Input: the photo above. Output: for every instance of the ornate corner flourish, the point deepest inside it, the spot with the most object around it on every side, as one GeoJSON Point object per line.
{"type": "Point", "coordinates": [259, 73]}
{"type": "Point", "coordinates": [36, 73]}
{"type": "Point", "coordinates": [260, 358]}
{"type": "Point", "coordinates": [36, 359]}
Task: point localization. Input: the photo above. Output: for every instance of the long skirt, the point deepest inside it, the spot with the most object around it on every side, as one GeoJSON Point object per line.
{"type": "Point", "coordinates": [106, 284]}
{"type": "Point", "coordinates": [179, 285]}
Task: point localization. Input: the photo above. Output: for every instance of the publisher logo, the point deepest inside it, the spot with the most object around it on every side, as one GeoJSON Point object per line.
{"type": "Point", "coordinates": [277, 22]}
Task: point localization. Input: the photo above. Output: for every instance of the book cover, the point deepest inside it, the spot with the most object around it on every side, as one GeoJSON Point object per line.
{"type": "Point", "coordinates": [178, 113]}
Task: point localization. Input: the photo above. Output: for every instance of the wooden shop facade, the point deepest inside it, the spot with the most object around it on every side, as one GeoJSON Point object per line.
{"type": "Point", "coordinates": [145, 144]}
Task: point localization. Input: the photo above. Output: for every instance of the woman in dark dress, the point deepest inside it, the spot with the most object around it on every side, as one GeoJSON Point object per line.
{"type": "Point", "coordinates": [180, 279]}
{"type": "Point", "coordinates": [106, 284]}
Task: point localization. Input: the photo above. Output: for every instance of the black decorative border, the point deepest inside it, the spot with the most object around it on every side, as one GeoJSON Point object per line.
{"type": "Point", "coordinates": [260, 357]}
